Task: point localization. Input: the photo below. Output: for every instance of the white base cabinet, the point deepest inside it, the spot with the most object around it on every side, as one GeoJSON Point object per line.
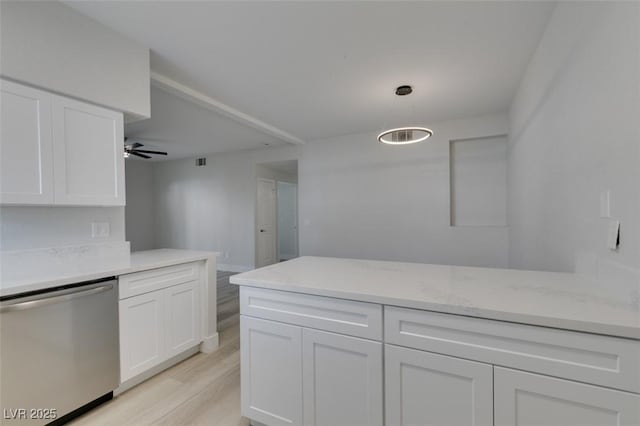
{"type": "Point", "coordinates": [271, 371]}
{"type": "Point", "coordinates": [526, 399]}
{"type": "Point", "coordinates": [142, 333]}
{"type": "Point", "coordinates": [161, 322]}
{"type": "Point", "coordinates": [182, 304]}
{"type": "Point", "coordinates": [425, 389]}
{"type": "Point", "coordinates": [342, 380]}
{"type": "Point", "coordinates": [293, 374]}
{"type": "Point", "coordinates": [318, 361]}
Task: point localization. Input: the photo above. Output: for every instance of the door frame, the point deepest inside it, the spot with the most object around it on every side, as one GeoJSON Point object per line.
{"type": "Point", "coordinates": [256, 226]}
{"type": "Point", "coordinates": [297, 228]}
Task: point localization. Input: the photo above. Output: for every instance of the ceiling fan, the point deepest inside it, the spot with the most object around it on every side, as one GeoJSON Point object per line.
{"type": "Point", "coordinates": [134, 149]}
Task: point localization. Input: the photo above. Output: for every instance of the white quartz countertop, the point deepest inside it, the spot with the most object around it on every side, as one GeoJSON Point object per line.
{"type": "Point", "coordinates": [559, 300]}
{"type": "Point", "coordinates": [48, 268]}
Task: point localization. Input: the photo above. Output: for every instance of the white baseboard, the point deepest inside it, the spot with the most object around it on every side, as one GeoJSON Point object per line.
{"type": "Point", "coordinates": [210, 344]}
{"type": "Point", "coordinates": [234, 268]}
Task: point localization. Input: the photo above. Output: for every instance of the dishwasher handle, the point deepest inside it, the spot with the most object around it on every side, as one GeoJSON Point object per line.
{"type": "Point", "coordinates": [31, 304]}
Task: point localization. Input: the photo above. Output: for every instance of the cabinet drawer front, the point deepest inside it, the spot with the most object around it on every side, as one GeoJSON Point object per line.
{"type": "Point", "coordinates": [602, 360]}
{"type": "Point", "coordinates": [155, 279]}
{"type": "Point", "coordinates": [325, 313]}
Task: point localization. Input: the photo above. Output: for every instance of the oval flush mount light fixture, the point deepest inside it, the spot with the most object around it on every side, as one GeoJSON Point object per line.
{"type": "Point", "coordinates": [404, 135]}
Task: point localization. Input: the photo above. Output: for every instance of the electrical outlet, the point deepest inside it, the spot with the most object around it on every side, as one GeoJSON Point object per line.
{"type": "Point", "coordinates": [100, 229]}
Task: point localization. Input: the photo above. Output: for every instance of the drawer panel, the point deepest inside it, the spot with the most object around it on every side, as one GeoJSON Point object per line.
{"type": "Point", "coordinates": [349, 317]}
{"type": "Point", "coordinates": [602, 360]}
{"type": "Point", "coordinates": [155, 279]}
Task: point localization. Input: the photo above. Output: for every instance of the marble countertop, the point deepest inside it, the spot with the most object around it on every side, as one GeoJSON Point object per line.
{"type": "Point", "coordinates": [31, 270]}
{"type": "Point", "coordinates": [559, 300]}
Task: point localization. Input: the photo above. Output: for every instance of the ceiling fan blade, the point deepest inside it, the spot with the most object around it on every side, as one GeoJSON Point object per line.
{"type": "Point", "coordinates": [138, 154]}
{"type": "Point", "coordinates": [150, 152]}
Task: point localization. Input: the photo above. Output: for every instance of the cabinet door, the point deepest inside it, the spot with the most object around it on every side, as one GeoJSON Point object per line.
{"type": "Point", "coordinates": [88, 152]}
{"type": "Point", "coordinates": [271, 371]}
{"type": "Point", "coordinates": [526, 399]}
{"type": "Point", "coordinates": [182, 304]}
{"type": "Point", "coordinates": [342, 380]}
{"type": "Point", "coordinates": [142, 324]}
{"type": "Point", "coordinates": [425, 389]}
{"type": "Point", "coordinates": [26, 163]}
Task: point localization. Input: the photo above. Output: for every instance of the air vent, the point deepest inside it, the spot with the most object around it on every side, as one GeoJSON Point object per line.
{"type": "Point", "coordinates": [201, 161]}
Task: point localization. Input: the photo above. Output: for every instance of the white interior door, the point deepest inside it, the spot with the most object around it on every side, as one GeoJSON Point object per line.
{"type": "Point", "coordinates": [266, 246]}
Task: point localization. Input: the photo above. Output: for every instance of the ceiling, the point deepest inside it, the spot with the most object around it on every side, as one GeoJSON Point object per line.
{"type": "Point", "coordinates": [323, 69]}
{"type": "Point", "coordinates": [184, 129]}
{"type": "Point", "coordinates": [289, 167]}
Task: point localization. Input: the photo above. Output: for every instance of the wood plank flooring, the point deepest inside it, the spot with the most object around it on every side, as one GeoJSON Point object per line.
{"type": "Point", "coordinates": [202, 390]}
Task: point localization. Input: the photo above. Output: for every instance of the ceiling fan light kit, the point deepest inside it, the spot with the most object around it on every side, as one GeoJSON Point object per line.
{"type": "Point", "coordinates": [408, 134]}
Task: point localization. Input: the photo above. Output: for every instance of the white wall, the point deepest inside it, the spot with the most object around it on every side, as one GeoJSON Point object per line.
{"type": "Point", "coordinates": [357, 198]}
{"type": "Point", "coordinates": [139, 211]}
{"type": "Point", "coordinates": [50, 45]}
{"type": "Point", "coordinates": [574, 133]}
{"type": "Point", "coordinates": [212, 207]}
{"type": "Point", "coordinates": [362, 199]}
{"type": "Point", "coordinates": [40, 227]}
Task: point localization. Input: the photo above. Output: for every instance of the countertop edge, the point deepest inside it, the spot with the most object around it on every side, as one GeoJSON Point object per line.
{"type": "Point", "coordinates": [124, 270]}
{"type": "Point", "coordinates": [514, 317]}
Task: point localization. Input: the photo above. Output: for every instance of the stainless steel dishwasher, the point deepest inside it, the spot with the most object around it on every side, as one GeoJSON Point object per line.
{"type": "Point", "coordinates": [59, 352]}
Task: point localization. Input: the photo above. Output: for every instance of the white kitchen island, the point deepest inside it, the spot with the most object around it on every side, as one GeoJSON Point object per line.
{"type": "Point", "coordinates": [328, 341]}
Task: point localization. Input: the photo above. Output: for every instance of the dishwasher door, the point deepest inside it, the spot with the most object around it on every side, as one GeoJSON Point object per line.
{"type": "Point", "coordinates": [58, 351]}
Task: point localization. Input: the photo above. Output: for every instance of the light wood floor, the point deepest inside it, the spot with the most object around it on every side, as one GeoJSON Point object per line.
{"type": "Point", "coordinates": [202, 390]}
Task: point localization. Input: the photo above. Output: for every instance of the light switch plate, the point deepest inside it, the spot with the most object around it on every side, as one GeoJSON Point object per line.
{"type": "Point", "coordinates": [613, 235]}
{"type": "Point", "coordinates": [605, 204]}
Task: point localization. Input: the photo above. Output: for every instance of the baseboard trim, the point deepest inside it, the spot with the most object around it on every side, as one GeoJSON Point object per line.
{"type": "Point", "coordinates": [210, 344]}
{"type": "Point", "coordinates": [234, 268]}
{"type": "Point", "coordinates": [134, 381]}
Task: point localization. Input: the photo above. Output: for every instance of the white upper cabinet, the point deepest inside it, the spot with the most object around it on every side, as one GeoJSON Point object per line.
{"type": "Point", "coordinates": [88, 154]}
{"type": "Point", "coordinates": [59, 151]}
{"type": "Point", "coordinates": [26, 164]}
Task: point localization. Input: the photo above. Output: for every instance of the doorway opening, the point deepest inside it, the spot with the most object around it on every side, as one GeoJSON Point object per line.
{"type": "Point", "coordinates": [276, 212]}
